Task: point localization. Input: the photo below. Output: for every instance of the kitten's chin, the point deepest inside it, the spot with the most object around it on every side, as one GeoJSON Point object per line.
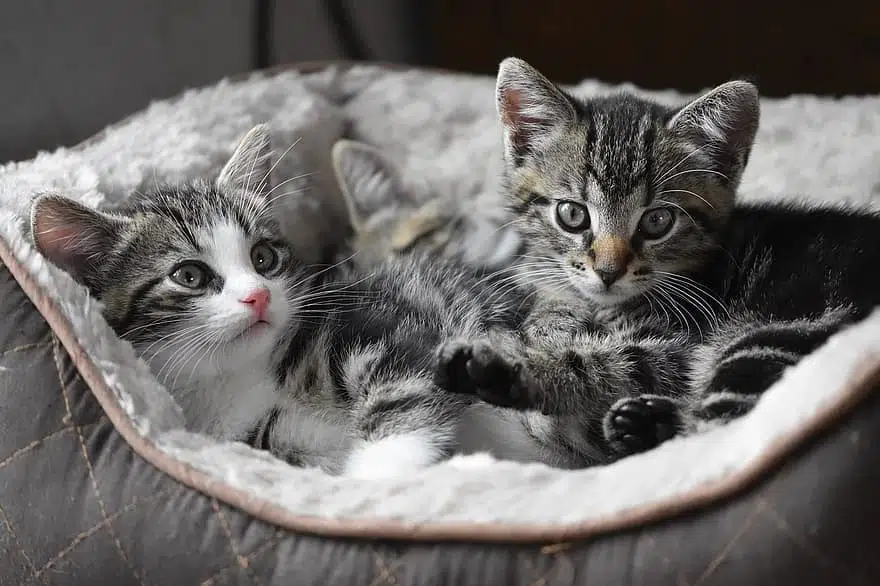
{"type": "Point", "coordinates": [253, 333]}
{"type": "Point", "coordinates": [617, 295]}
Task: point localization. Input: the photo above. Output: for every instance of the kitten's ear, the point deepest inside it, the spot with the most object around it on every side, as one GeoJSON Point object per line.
{"type": "Point", "coordinates": [531, 107]}
{"type": "Point", "coordinates": [73, 236]}
{"type": "Point", "coordinates": [725, 121]}
{"type": "Point", "coordinates": [249, 166]}
{"type": "Point", "coordinates": [369, 182]}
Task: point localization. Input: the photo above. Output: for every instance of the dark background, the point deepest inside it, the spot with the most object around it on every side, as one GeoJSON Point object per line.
{"type": "Point", "coordinates": [785, 45]}
{"type": "Point", "coordinates": [69, 68]}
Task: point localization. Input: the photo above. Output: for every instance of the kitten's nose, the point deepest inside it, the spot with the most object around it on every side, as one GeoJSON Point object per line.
{"type": "Point", "coordinates": [609, 274]}
{"type": "Point", "coordinates": [611, 255]}
{"type": "Point", "coordinates": [258, 299]}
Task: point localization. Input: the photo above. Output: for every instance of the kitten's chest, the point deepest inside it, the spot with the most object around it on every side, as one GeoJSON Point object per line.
{"type": "Point", "coordinates": [230, 406]}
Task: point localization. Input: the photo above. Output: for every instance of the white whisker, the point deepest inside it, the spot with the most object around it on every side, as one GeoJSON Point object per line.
{"type": "Point", "coordinates": [697, 195]}
{"type": "Point", "coordinates": [675, 205]}
{"type": "Point", "coordinates": [669, 171]}
{"type": "Point", "coordinates": [685, 172]}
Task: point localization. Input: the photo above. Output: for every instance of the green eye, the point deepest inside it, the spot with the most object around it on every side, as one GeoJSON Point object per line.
{"type": "Point", "coordinates": [657, 222]}
{"type": "Point", "coordinates": [264, 258]}
{"type": "Point", "coordinates": [573, 217]}
{"type": "Point", "coordinates": [191, 275]}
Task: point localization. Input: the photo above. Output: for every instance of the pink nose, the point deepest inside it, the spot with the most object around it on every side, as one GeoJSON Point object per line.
{"type": "Point", "coordinates": [258, 299]}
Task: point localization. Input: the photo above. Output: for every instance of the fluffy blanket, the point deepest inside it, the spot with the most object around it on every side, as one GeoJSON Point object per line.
{"type": "Point", "coordinates": [442, 131]}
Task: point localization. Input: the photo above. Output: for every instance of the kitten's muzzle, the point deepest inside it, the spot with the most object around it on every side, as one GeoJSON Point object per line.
{"type": "Point", "coordinates": [610, 256]}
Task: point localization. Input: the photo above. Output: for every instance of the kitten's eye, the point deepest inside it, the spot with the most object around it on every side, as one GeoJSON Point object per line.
{"type": "Point", "coordinates": [657, 222]}
{"type": "Point", "coordinates": [264, 258]}
{"type": "Point", "coordinates": [191, 275]}
{"type": "Point", "coordinates": [573, 217]}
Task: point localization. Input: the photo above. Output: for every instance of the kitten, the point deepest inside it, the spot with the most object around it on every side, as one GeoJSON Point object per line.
{"type": "Point", "coordinates": [323, 367]}
{"type": "Point", "coordinates": [663, 304]}
{"type": "Point", "coordinates": [390, 218]}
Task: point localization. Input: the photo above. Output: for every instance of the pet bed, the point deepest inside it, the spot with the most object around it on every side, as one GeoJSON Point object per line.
{"type": "Point", "coordinates": [99, 483]}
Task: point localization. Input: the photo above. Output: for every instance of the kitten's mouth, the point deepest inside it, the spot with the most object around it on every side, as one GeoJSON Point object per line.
{"type": "Point", "coordinates": [254, 329]}
{"type": "Point", "coordinates": [258, 325]}
{"type": "Point", "coordinates": [616, 294]}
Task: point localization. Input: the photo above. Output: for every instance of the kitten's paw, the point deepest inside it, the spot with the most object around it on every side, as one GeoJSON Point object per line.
{"type": "Point", "coordinates": [498, 380]}
{"type": "Point", "coordinates": [450, 370]}
{"type": "Point", "coordinates": [637, 424]}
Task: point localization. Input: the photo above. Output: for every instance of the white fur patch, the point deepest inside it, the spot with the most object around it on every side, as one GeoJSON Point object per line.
{"type": "Point", "coordinates": [397, 455]}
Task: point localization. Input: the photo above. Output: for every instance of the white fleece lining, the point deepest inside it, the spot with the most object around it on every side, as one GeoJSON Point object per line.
{"type": "Point", "coordinates": [174, 141]}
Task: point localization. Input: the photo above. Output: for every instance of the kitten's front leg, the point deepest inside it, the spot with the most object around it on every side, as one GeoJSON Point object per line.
{"type": "Point", "coordinates": [400, 425]}
{"type": "Point", "coordinates": [494, 368]}
{"type": "Point", "coordinates": [478, 368]}
{"type": "Point", "coordinates": [618, 384]}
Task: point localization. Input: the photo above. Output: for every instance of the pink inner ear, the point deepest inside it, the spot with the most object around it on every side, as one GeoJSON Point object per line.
{"type": "Point", "coordinates": [514, 119]}
{"type": "Point", "coordinates": [57, 240]}
{"type": "Point", "coordinates": [511, 110]}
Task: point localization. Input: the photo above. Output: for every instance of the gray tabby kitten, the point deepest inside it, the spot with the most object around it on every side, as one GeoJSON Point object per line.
{"type": "Point", "coordinates": [662, 303]}
{"type": "Point", "coordinates": [321, 366]}
{"type": "Point", "coordinates": [390, 218]}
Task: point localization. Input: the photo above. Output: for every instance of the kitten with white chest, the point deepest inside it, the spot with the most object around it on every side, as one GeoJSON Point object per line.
{"type": "Point", "coordinates": [196, 277]}
{"type": "Point", "coordinates": [322, 366]}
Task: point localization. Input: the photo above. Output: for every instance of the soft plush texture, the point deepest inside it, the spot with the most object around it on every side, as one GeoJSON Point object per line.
{"type": "Point", "coordinates": [442, 130]}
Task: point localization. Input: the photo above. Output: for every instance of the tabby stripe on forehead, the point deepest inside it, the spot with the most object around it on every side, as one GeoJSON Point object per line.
{"type": "Point", "coordinates": [242, 220]}
{"type": "Point", "coordinates": [183, 225]}
{"type": "Point", "coordinates": [592, 133]}
{"type": "Point", "coordinates": [592, 130]}
{"type": "Point", "coordinates": [648, 174]}
{"type": "Point", "coordinates": [134, 301]}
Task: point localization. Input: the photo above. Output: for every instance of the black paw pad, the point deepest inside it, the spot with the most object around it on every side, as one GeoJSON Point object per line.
{"type": "Point", "coordinates": [637, 424]}
{"type": "Point", "coordinates": [451, 372]}
{"type": "Point", "coordinates": [497, 379]}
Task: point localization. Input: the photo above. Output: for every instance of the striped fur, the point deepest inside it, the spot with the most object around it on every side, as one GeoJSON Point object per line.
{"type": "Point", "coordinates": [339, 372]}
{"type": "Point", "coordinates": [663, 304]}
